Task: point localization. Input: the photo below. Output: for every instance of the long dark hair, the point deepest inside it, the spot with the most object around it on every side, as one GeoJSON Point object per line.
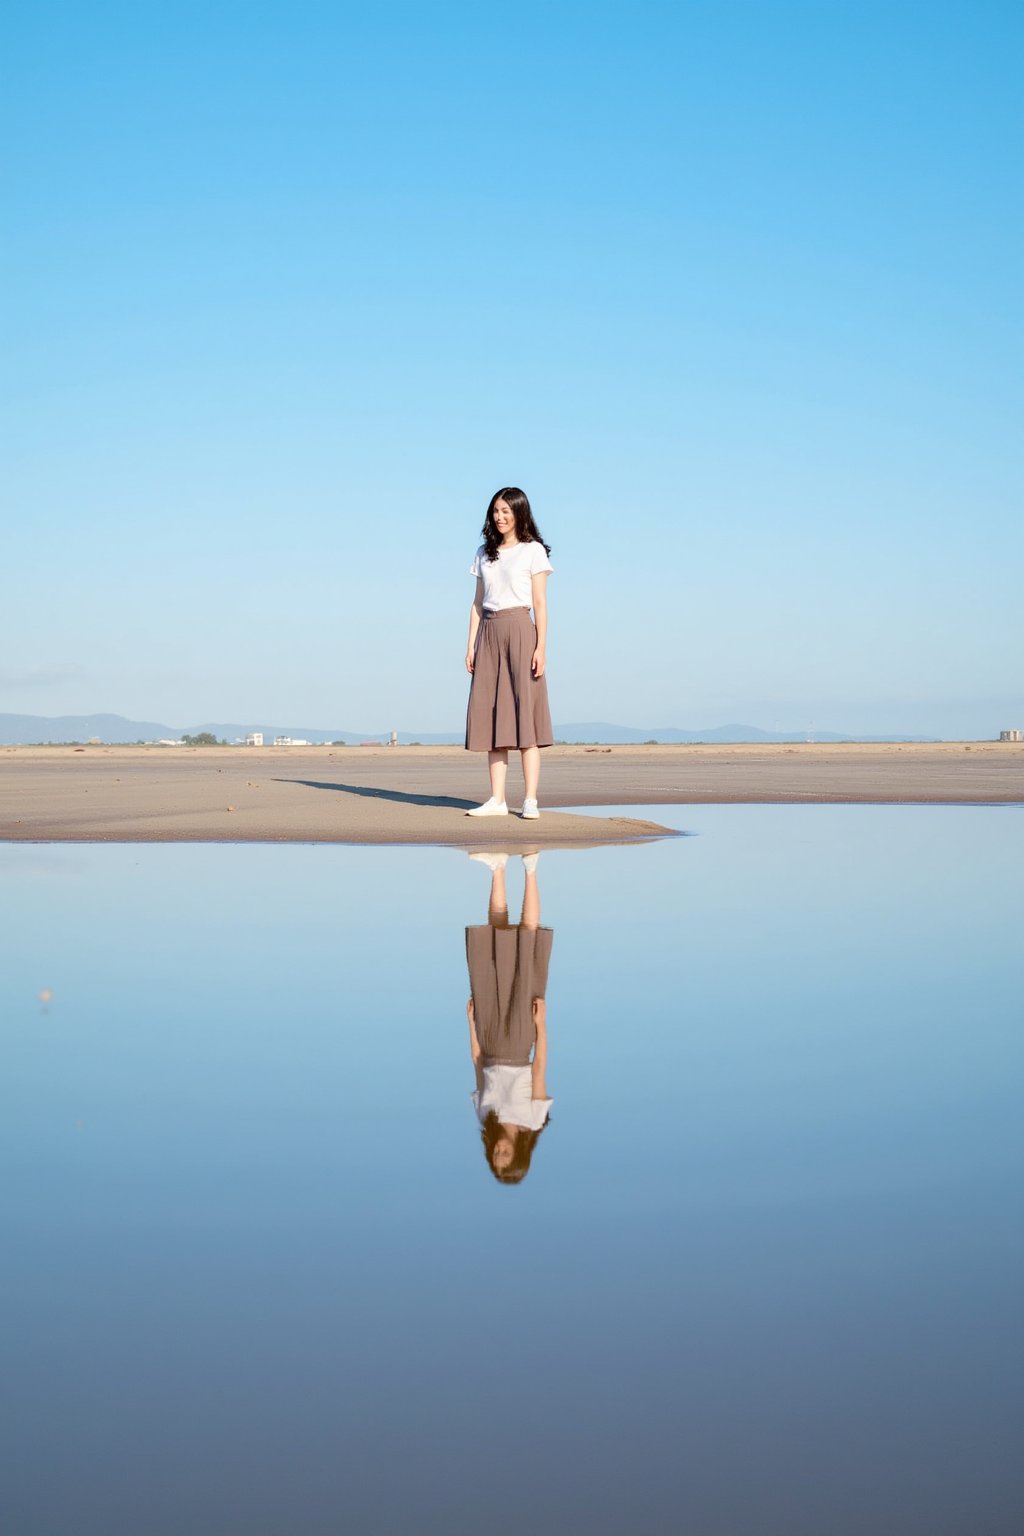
{"type": "Point", "coordinates": [492, 1131]}
{"type": "Point", "coordinates": [527, 531]}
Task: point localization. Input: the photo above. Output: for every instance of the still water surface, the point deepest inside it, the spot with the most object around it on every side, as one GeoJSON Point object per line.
{"type": "Point", "coordinates": [762, 1274]}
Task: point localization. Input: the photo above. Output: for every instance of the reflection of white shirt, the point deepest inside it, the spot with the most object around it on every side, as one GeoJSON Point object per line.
{"type": "Point", "coordinates": [507, 580]}
{"type": "Point", "coordinates": [508, 1091]}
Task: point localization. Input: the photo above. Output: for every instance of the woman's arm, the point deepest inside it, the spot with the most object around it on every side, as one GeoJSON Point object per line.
{"type": "Point", "coordinates": [474, 1047]}
{"type": "Point", "coordinates": [539, 1089]}
{"type": "Point", "coordinates": [474, 622]}
{"type": "Point", "coordinates": [540, 614]}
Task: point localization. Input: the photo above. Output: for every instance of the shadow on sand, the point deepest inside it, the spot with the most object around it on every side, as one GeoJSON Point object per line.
{"type": "Point", "coordinates": [447, 802]}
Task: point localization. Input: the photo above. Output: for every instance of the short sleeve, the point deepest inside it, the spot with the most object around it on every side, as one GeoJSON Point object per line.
{"type": "Point", "coordinates": [539, 1111]}
{"type": "Point", "coordinates": [539, 562]}
{"type": "Point", "coordinates": [476, 569]}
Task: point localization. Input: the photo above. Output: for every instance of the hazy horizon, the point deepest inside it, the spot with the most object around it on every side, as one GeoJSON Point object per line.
{"type": "Point", "coordinates": [293, 724]}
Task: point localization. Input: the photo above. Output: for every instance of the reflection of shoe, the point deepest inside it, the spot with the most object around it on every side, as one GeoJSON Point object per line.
{"type": "Point", "coordinates": [530, 862]}
{"type": "Point", "coordinates": [490, 807]}
{"type": "Point", "coordinates": [530, 811]}
{"type": "Point", "coordinates": [494, 861]}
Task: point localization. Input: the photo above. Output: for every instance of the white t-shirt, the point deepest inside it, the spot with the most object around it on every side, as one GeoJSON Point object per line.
{"type": "Point", "coordinates": [507, 582]}
{"type": "Point", "coordinates": [508, 1091]}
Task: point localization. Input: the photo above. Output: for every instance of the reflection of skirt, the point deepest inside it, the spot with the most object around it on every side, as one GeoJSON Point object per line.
{"type": "Point", "coordinates": [508, 968]}
{"type": "Point", "coordinates": [508, 706]}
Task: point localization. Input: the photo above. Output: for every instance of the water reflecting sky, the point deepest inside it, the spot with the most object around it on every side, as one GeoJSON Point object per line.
{"type": "Point", "coordinates": [763, 1273]}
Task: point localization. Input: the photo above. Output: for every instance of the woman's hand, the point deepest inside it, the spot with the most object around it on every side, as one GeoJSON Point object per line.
{"type": "Point", "coordinates": [469, 661]}
{"type": "Point", "coordinates": [538, 662]}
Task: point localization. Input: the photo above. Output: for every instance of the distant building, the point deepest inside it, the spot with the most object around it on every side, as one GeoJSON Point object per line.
{"type": "Point", "coordinates": [291, 741]}
{"type": "Point", "coordinates": [393, 739]}
{"type": "Point", "coordinates": [1011, 735]}
{"type": "Point", "coordinates": [254, 739]}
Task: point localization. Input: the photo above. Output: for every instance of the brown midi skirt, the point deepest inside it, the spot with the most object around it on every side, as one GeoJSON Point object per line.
{"type": "Point", "coordinates": [508, 968]}
{"type": "Point", "coordinates": [508, 706]}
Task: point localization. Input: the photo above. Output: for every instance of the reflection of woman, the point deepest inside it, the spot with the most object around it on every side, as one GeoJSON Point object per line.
{"type": "Point", "coordinates": [507, 1013]}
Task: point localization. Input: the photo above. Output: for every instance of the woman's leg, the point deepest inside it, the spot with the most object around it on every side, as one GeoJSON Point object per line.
{"type": "Point", "coordinates": [531, 900]}
{"type": "Point", "coordinates": [497, 906]}
{"type": "Point", "coordinates": [497, 764]}
{"type": "Point", "coordinates": [531, 771]}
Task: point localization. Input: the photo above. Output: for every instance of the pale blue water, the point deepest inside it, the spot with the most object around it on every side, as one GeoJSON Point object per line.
{"type": "Point", "coordinates": [764, 1273]}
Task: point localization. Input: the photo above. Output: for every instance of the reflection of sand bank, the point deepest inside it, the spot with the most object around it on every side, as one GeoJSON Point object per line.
{"type": "Point", "coordinates": [138, 794]}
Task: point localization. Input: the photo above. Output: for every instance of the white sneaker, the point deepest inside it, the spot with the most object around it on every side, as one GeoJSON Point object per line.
{"type": "Point", "coordinates": [490, 807]}
{"type": "Point", "coordinates": [494, 861]}
{"type": "Point", "coordinates": [530, 862]}
{"type": "Point", "coordinates": [530, 811]}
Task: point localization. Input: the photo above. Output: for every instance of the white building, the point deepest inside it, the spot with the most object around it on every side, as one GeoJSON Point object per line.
{"type": "Point", "coordinates": [254, 739]}
{"type": "Point", "coordinates": [1011, 735]}
{"type": "Point", "coordinates": [291, 741]}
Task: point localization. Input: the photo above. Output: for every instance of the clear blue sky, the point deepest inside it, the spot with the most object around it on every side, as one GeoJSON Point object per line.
{"type": "Point", "coordinates": [732, 289]}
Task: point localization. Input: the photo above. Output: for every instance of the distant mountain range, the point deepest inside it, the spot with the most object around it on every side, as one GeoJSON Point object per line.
{"type": "Point", "coordinates": [18, 730]}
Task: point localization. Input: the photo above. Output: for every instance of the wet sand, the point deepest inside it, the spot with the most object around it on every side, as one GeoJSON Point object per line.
{"type": "Point", "coordinates": [420, 794]}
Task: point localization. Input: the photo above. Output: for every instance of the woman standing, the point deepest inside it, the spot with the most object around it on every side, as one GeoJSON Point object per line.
{"type": "Point", "coordinates": [508, 697]}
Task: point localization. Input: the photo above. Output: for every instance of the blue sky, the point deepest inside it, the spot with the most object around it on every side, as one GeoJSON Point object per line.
{"type": "Point", "coordinates": [732, 289]}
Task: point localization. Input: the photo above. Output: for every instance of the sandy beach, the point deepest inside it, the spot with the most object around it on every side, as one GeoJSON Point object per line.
{"type": "Point", "coordinates": [420, 794]}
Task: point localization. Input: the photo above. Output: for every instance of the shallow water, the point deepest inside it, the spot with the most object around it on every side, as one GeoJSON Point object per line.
{"type": "Point", "coordinates": [764, 1272]}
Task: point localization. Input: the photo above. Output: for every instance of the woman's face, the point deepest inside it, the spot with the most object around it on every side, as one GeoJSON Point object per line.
{"type": "Point", "coordinates": [504, 518]}
{"type": "Point", "coordinates": [504, 1151]}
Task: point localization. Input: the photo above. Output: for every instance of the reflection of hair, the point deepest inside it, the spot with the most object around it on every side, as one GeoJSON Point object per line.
{"type": "Point", "coordinates": [492, 1131]}
{"type": "Point", "coordinates": [527, 531]}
